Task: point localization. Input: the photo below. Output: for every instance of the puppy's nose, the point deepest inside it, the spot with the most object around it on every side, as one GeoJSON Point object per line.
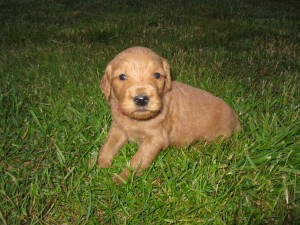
{"type": "Point", "coordinates": [141, 100]}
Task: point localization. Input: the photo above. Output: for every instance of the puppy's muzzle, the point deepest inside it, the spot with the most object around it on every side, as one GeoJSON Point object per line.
{"type": "Point", "coordinates": [141, 100]}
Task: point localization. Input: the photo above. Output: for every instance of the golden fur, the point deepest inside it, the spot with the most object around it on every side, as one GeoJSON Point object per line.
{"type": "Point", "coordinates": [149, 108]}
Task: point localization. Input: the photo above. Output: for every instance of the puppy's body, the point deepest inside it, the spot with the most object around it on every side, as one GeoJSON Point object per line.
{"type": "Point", "coordinates": [156, 112]}
{"type": "Point", "coordinates": [197, 115]}
{"type": "Point", "coordinates": [188, 115]}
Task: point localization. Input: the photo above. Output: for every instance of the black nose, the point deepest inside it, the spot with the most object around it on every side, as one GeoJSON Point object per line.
{"type": "Point", "coordinates": [141, 100]}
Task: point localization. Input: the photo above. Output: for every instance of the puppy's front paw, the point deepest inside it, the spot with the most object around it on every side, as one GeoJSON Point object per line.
{"type": "Point", "coordinates": [118, 180]}
{"type": "Point", "coordinates": [103, 162]}
{"type": "Point", "coordinates": [122, 177]}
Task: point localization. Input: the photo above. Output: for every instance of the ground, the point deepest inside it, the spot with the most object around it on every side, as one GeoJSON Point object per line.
{"type": "Point", "coordinates": [53, 117]}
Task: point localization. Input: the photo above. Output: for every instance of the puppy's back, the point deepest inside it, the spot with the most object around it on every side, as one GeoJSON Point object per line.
{"type": "Point", "coordinates": [198, 115]}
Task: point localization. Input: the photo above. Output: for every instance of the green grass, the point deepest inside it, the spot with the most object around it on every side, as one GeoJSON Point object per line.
{"type": "Point", "coordinates": [54, 118]}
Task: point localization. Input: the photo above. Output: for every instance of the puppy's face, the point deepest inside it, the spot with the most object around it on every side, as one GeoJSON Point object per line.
{"type": "Point", "coordinates": [137, 78]}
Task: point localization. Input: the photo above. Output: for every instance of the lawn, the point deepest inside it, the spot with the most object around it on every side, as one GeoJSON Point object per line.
{"type": "Point", "coordinates": [53, 117]}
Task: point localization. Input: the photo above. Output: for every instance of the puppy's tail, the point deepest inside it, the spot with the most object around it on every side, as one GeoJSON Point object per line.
{"type": "Point", "coordinates": [238, 126]}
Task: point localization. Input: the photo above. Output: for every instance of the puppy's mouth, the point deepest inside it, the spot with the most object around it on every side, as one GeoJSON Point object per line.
{"type": "Point", "coordinates": [143, 107]}
{"type": "Point", "coordinates": [142, 110]}
{"type": "Point", "coordinates": [140, 107]}
{"type": "Point", "coordinates": [143, 114]}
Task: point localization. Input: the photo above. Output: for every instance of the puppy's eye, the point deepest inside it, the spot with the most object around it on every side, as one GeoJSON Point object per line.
{"type": "Point", "coordinates": [122, 77]}
{"type": "Point", "coordinates": [157, 75]}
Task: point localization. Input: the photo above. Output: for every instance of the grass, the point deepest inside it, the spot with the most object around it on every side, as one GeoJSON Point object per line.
{"type": "Point", "coordinates": [54, 118]}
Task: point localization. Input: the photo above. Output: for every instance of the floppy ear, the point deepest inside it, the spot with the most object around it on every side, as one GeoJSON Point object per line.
{"type": "Point", "coordinates": [105, 83]}
{"type": "Point", "coordinates": [168, 82]}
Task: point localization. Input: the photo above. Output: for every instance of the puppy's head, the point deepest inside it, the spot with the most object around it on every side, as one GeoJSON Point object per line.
{"type": "Point", "coordinates": [137, 78]}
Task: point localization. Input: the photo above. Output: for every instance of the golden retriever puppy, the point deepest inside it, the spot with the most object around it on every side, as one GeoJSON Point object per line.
{"type": "Point", "coordinates": [149, 108]}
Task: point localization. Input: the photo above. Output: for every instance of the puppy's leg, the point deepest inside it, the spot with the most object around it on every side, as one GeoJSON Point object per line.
{"type": "Point", "coordinates": [116, 139]}
{"type": "Point", "coordinates": [148, 151]}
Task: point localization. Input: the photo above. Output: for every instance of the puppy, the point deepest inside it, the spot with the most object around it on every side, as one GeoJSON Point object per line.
{"type": "Point", "coordinates": [148, 108]}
